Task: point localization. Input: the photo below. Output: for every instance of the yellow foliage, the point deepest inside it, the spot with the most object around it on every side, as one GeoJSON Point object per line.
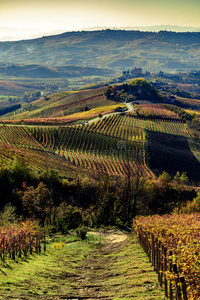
{"type": "Point", "coordinates": [30, 225]}
{"type": "Point", "coordinates": [95, 111]}
{"type": "Point", "coordinates": [58, 246]}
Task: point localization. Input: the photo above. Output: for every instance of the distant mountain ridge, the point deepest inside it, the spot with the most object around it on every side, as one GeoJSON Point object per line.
{"type": "Point", "coordinates": [114, 49]}
{"type": "Point", "coordinates": [154, 28]}
{"type": "Point", "coordinates": [38, 71]}
{"type": "Point", "coordinates": [16, 34]}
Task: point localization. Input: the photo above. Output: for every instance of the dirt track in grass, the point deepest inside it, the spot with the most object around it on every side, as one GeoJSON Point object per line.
{"type": "Point", "coordinates": [115, 269]}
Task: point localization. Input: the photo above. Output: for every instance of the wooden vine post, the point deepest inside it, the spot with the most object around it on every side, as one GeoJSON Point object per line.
{"type": "Point", "coordinates": [3, 243]}
{"type": "Point", "coordinates": [44, 242]}
{"type": "Point", "coordinates": [157, 254]}
{"type": "Point", "coordinates": [170, 269]}
{"type": "Point", "coordinates": [165, 269]}
{"type": "Point", "coordinates": [20, 246]}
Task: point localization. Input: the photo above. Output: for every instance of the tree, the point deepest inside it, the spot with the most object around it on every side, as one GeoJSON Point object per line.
{"type": "Point", "coordinates": [180, 180]}
{"type": "Point", "coordinates": [108, 91]}
{"type": "Point", "coordinates": [192, 206]}
{"type": "Point", "coordinates": [164, 178]}
{"type": "Point", "coordinates": [67, 217]}
{"type": "Point", "coordinates": [35, 201]}
{"type": "Point", "coordinates": [105, 214]}
{"type": "Point", "coordinates": [18, 172]}
{"type": "Point", "coordinates": [7, 215]}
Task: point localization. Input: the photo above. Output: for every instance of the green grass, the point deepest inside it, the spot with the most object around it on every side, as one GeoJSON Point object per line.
{"type": "Point", "coordinates": [82, 269]}
{"type": "Point", "coordinates": [40, 274]}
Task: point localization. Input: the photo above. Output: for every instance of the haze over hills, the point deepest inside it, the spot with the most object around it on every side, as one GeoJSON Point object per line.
{"type": "Point", "coordinates": [114, 49]}
{"type": "Point", "coordinates": [16, 34]}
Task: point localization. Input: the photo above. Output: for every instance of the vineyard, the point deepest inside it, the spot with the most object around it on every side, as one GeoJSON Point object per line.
{"type": "Point", "coordinates": [181, 236]}
{"type": "Point", "coordinates": [17, 136]}
{"type": "Point", "coordinates": [16, 241]}
{"type": "Point", "coordinates": [74, 104]}
{"type": "Point", "coordinates": [114, 145]}
{"type": "Point", "coordinates": [175, 127]}
{"type": "Point", "coordinates": [62, 104]}
{"type": "Point", "coordinates": [154, 111]}
{"type": "Point", "coordinates": [17, 142]}
{"type": "Point", "coordinates": [109, 145]}
{"type": "Point", "coordinates": [189, 103]}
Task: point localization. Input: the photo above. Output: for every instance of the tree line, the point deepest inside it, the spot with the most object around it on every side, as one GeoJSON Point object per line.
{"type": "Point", "coordinates": [60, 204]}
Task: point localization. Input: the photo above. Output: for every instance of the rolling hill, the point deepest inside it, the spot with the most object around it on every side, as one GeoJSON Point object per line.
{"type": "Point", "coordinates": [115, 49]}
{"type": "Point", "coordinates": [67, 129]}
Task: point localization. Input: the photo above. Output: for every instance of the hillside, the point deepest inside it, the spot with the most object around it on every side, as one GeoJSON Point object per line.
{"type": "Point", "coordinates": [115, 49]}
{"type": "Point", "coordinates": [62, 104]}
{"type": "Point", "coordinates": [103, 133]}
{"type": "Point", "coordinates": [40, 71]}
{"type": "Point", "coordinates": [18, 143]}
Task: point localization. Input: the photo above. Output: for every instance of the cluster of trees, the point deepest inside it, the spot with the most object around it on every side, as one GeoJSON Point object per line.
{"type": "Point", "coordinates": [137, 89]}
{"type": "Point", "coordinates": [167, 88]}
{"type": "Point", "coordinates": [8, 101]}
{"type": "Point", "coordinates": [31, 96]}
{"type": "Point", "coordinates": [60, 205]}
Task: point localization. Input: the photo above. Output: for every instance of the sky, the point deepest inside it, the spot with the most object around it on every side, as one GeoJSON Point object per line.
{"type": "Point", "coordinates": [66, 15]}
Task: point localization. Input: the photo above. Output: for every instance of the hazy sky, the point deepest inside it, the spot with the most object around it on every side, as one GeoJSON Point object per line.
{"type": "Point", "coordinates": [76, 14]}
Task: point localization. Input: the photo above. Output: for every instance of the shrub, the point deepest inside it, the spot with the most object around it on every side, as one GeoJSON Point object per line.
{"type": "Point", "coordinates": [67, 217]}
{"type": "Point", "coordinates": [81, 232]}
{"type": "Point", "coordinates": [191, 206]}
{"type": "Point", "coordinates": [7, 215]}
{"type": "Point", "coordinates": [58, 246]}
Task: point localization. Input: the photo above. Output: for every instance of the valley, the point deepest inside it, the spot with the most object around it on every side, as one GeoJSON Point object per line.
{"type": "Point", "coordinates": [100, 135]}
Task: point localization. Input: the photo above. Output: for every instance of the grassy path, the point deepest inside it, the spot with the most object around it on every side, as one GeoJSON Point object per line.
{"type": "Point", "coordinates": [115, 269]}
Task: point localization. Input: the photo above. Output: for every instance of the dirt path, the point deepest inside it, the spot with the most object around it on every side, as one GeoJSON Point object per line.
{"type": "Point", "coordinates": [90, 283]}
{"type": "Point", "coordinates": [110, 272]}
{"type": "Point", "coordinates": [111, 236]}
{"type": "Point", "coordinates": [117, 268]}
{"type": "Point", "coordinates": [129, 106]}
